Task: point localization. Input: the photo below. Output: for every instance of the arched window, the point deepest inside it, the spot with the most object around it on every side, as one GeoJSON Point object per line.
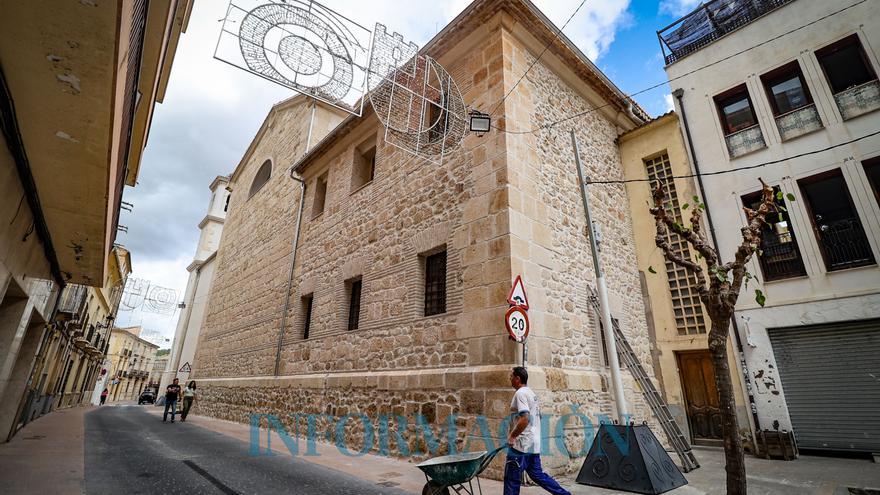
{"type": "Point", "coordinates": [261, 178]}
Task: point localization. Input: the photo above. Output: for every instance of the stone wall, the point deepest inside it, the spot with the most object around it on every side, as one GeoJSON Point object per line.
{"type": "Point", "coordinates": [503, 204]}
{"type": "Point", "coordinates": [247, 292]}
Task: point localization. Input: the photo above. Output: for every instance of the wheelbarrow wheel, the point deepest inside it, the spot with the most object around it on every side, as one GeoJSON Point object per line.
{"type": "Point", "coordinates": [434, 488]}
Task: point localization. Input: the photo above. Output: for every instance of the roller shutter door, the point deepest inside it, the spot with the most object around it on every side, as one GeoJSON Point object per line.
{"type": "Point", "coordinates": [831, 380]}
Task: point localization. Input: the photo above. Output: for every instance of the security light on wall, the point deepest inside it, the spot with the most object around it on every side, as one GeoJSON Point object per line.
{"type": "Point", "coordinates": [480, 122]}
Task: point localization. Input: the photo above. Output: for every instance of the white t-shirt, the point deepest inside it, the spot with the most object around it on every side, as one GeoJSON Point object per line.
{"type": "Point", "coordinates": [529, 441]}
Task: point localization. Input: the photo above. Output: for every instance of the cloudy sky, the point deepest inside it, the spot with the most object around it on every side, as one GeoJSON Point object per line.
{"type": "Point", "coordinates": [212, 111]}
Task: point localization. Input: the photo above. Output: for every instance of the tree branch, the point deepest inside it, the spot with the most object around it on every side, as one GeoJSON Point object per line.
{"type": "Point", "coordinates": [751, 235]}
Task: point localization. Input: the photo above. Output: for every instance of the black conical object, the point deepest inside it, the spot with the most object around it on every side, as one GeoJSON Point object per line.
{"type": "Point", "coordinates": [629, 458]}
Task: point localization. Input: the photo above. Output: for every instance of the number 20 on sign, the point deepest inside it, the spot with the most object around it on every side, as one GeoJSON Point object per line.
{"type": "Point", "coordinates": [517, 322]}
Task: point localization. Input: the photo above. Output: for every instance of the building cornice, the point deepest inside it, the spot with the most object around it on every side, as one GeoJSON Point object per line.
{"type": "Point", "coordinates": [471, 19]}
{"type": "Point", "coordinates": [211, 218]}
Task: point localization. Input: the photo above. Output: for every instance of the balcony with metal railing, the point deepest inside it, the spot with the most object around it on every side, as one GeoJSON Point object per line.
{"type": "Point", "coordinates": [844, 244]}
{"type": "Point", "coordinates": [798, 122]}
{"type": "Point", "coordinates": [72, 302]}
{"type": "Point", "coordinates": [780, 257]}
{"type": "Point", "coordinates": [858, 100]}
{"type": "Point", "coordinates": [745, 141]}
{"type": "Point", "coordinates": [709, 22]}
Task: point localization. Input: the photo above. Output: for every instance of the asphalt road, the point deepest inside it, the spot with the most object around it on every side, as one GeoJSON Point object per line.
{"type": "Point", "coordinates": [128, 450]}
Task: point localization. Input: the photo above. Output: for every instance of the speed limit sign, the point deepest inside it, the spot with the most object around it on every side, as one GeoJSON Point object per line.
{"type": "Point", "coordinates": [517, 322]}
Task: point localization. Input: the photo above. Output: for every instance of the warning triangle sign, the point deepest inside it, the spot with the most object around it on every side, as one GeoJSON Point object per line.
{"type": "Point", "coordinates": [517, 296]}
{"type": "Point", "coordinates": [186, 368]}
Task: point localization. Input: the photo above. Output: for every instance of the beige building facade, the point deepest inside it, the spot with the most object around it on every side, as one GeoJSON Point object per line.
{"type": "Point", "coordinates": [398, 291]}
{"type": "Point", "coordinates": [78, 84]}
{"type": "Point", "coordinates": [791, 96]}
{"type": "Point", "coordinates": [678, 322]}
{"type": "Point", "coordinates": [131, 363]}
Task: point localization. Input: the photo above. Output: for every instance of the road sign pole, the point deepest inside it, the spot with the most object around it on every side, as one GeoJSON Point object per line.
{"type": "Point", "coordinates": [602, 289]}
{"type": "Point", "coordinates": [525, 353]}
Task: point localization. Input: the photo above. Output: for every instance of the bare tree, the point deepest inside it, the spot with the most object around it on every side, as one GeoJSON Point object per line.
{"type": "Point", "coordinates": [719, 290]}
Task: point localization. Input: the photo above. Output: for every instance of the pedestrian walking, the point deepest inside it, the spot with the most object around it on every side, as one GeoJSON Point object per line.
{"type": "Point", "coordinates": [524, 439]}
{"type": "Point", "coordinates": [189, 396]}
{"type": "Point", "coordinates": [104, 395]}
{"type": "Point", "coordinates": [172, 392]}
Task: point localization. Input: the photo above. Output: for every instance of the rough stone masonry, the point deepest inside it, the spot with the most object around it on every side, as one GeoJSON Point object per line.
{"type": "Point", "coordinates": [504, 204]}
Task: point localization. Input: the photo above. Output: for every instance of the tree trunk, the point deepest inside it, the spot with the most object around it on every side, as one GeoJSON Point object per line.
{"type": "Point", "coordinates": [733, 450]}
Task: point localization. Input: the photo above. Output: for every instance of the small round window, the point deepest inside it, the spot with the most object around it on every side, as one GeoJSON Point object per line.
{"type": "Point", "coordinates": [261, 178]}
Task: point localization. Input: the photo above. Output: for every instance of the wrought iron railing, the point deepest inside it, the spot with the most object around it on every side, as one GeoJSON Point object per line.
{"type": "Point", "coordinates": [709, 22]}
{"type": "Point", "coordinates": [745, 141]}
{"type": "Point", "coordinates": [780, 257]}
{"type": "Point", "coordinates": [858, 100]}
{"type": "Point", "coordinates": [798, 122]}
{"type": "Point", "coordinates": [844, 244]}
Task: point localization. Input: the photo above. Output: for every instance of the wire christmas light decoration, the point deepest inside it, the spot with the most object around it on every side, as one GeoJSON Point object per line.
{"type": "Point", "coordinates": [301, 45]}
{"type": "Point", "coordinates": [141, 293]}
{"type": "Point", "coordinates": [415, 98]}
{"type": "Point", "coordinates": [307, 47]}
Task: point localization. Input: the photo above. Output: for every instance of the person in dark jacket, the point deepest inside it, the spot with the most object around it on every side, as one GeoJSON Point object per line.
{"type": "Point", "coordinates": [172, 392]}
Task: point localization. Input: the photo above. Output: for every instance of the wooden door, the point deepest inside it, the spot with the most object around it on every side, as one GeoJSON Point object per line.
{"type": "Point", "coordinates": [700, 394]}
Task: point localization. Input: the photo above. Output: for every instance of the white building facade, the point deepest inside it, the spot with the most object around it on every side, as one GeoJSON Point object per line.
{"type": "Point", "coordinates": [793, 85]}
{"type": "Point", "coordinates": [198, 287]}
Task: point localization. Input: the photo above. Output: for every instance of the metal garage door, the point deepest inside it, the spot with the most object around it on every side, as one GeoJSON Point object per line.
{"type": "Point", "coordinates": [831, 380]}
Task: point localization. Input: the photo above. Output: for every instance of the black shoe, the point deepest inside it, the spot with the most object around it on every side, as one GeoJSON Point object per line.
{"type": "Point", "coordinates": [172, 420]}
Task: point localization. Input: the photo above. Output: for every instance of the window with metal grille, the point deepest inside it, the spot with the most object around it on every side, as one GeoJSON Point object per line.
{"type": "Point", "coordinates": [354, 304]}
{"type": "Point", "coordinates": [435, 284]}
{"type": "Point", "coordinates": [836, 222]}
{"type": "Point", "coordinates": [689, 319]}
{"type": "Point", "coordinates": [779, 255]}
{"type": "Point", "coordinates": [307, 313]}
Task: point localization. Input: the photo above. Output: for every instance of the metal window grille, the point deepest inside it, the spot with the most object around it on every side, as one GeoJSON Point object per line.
{"type": "Point", "coordinates": [779, 256]}
{"type": "Point", "coordinates": [354, 305]}
{"type": "Point", "coordinates": [435, 284]}
{"type": "Point", "coordinates": [689, 319]}
{"type": "Point", "coordinates": [307, 303]}
{"type": "Point", "coordinates": [836, 223]}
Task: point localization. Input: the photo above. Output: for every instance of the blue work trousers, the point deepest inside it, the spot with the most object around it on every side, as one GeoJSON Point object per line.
{"type": "Point", "coordinates": [517, 462]}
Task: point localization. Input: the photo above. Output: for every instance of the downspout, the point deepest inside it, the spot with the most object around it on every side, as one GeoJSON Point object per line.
{"type": "Point", "coordinates": [302, 201]}
{"type": "Point", "coordinates": [679, 94]}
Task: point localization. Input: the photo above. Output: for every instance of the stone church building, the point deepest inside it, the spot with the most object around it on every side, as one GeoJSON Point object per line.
{"type": "Point", "coordinates": [400, 268]}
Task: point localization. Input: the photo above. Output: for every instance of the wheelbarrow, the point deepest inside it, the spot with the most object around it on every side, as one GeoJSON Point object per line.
{"type": "Point", "coordinates": [456, 472]}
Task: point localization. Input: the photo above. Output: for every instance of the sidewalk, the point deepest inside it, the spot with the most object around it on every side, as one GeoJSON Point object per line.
{"type": "Point", "coordinates": [808, 475]}
{"type": "Point", "coordinates": [46, 456]}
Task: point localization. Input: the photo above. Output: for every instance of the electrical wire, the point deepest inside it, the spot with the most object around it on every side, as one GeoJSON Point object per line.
{"type": "Point", "coordinates": [738, 169]}
{"type": "Point", "coordinates": [629, 96]}
{"type": "Point", "coordinates": [546, 47]}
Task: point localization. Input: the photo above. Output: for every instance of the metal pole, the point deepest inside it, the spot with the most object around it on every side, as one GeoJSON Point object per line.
{"type": "Point", "coordinates": [610, 343]}
{"type": "Point", "coordinates": [525, 353]}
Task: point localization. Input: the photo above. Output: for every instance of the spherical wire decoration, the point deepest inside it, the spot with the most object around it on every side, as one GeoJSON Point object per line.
{"type": "Point", "coordinates": [415, 98]}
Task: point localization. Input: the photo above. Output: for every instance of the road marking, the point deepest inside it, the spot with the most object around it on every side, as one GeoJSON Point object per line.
{"type": "Point", "coordinates": [214, 481]}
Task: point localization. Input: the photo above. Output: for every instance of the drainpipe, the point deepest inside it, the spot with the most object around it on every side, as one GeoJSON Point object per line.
{"type": "Point", "coordinates": [302, 201]}
{"type": "Point", "coordinates": [679, 94]}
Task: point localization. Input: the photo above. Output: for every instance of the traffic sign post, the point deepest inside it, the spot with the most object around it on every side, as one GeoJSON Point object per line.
{"type": "Point", "coordinates": [516, 320]}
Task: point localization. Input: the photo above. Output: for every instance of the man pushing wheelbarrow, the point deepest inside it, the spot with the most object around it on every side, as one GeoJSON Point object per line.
{"type": "Point", "coordinates": [523, 452]}
{"type": "Point", "coordinates": [524, 440]}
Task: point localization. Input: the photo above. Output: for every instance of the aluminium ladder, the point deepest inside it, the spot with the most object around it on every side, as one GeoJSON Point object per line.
{"type": "Point", "coordinates": [652, 396]}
